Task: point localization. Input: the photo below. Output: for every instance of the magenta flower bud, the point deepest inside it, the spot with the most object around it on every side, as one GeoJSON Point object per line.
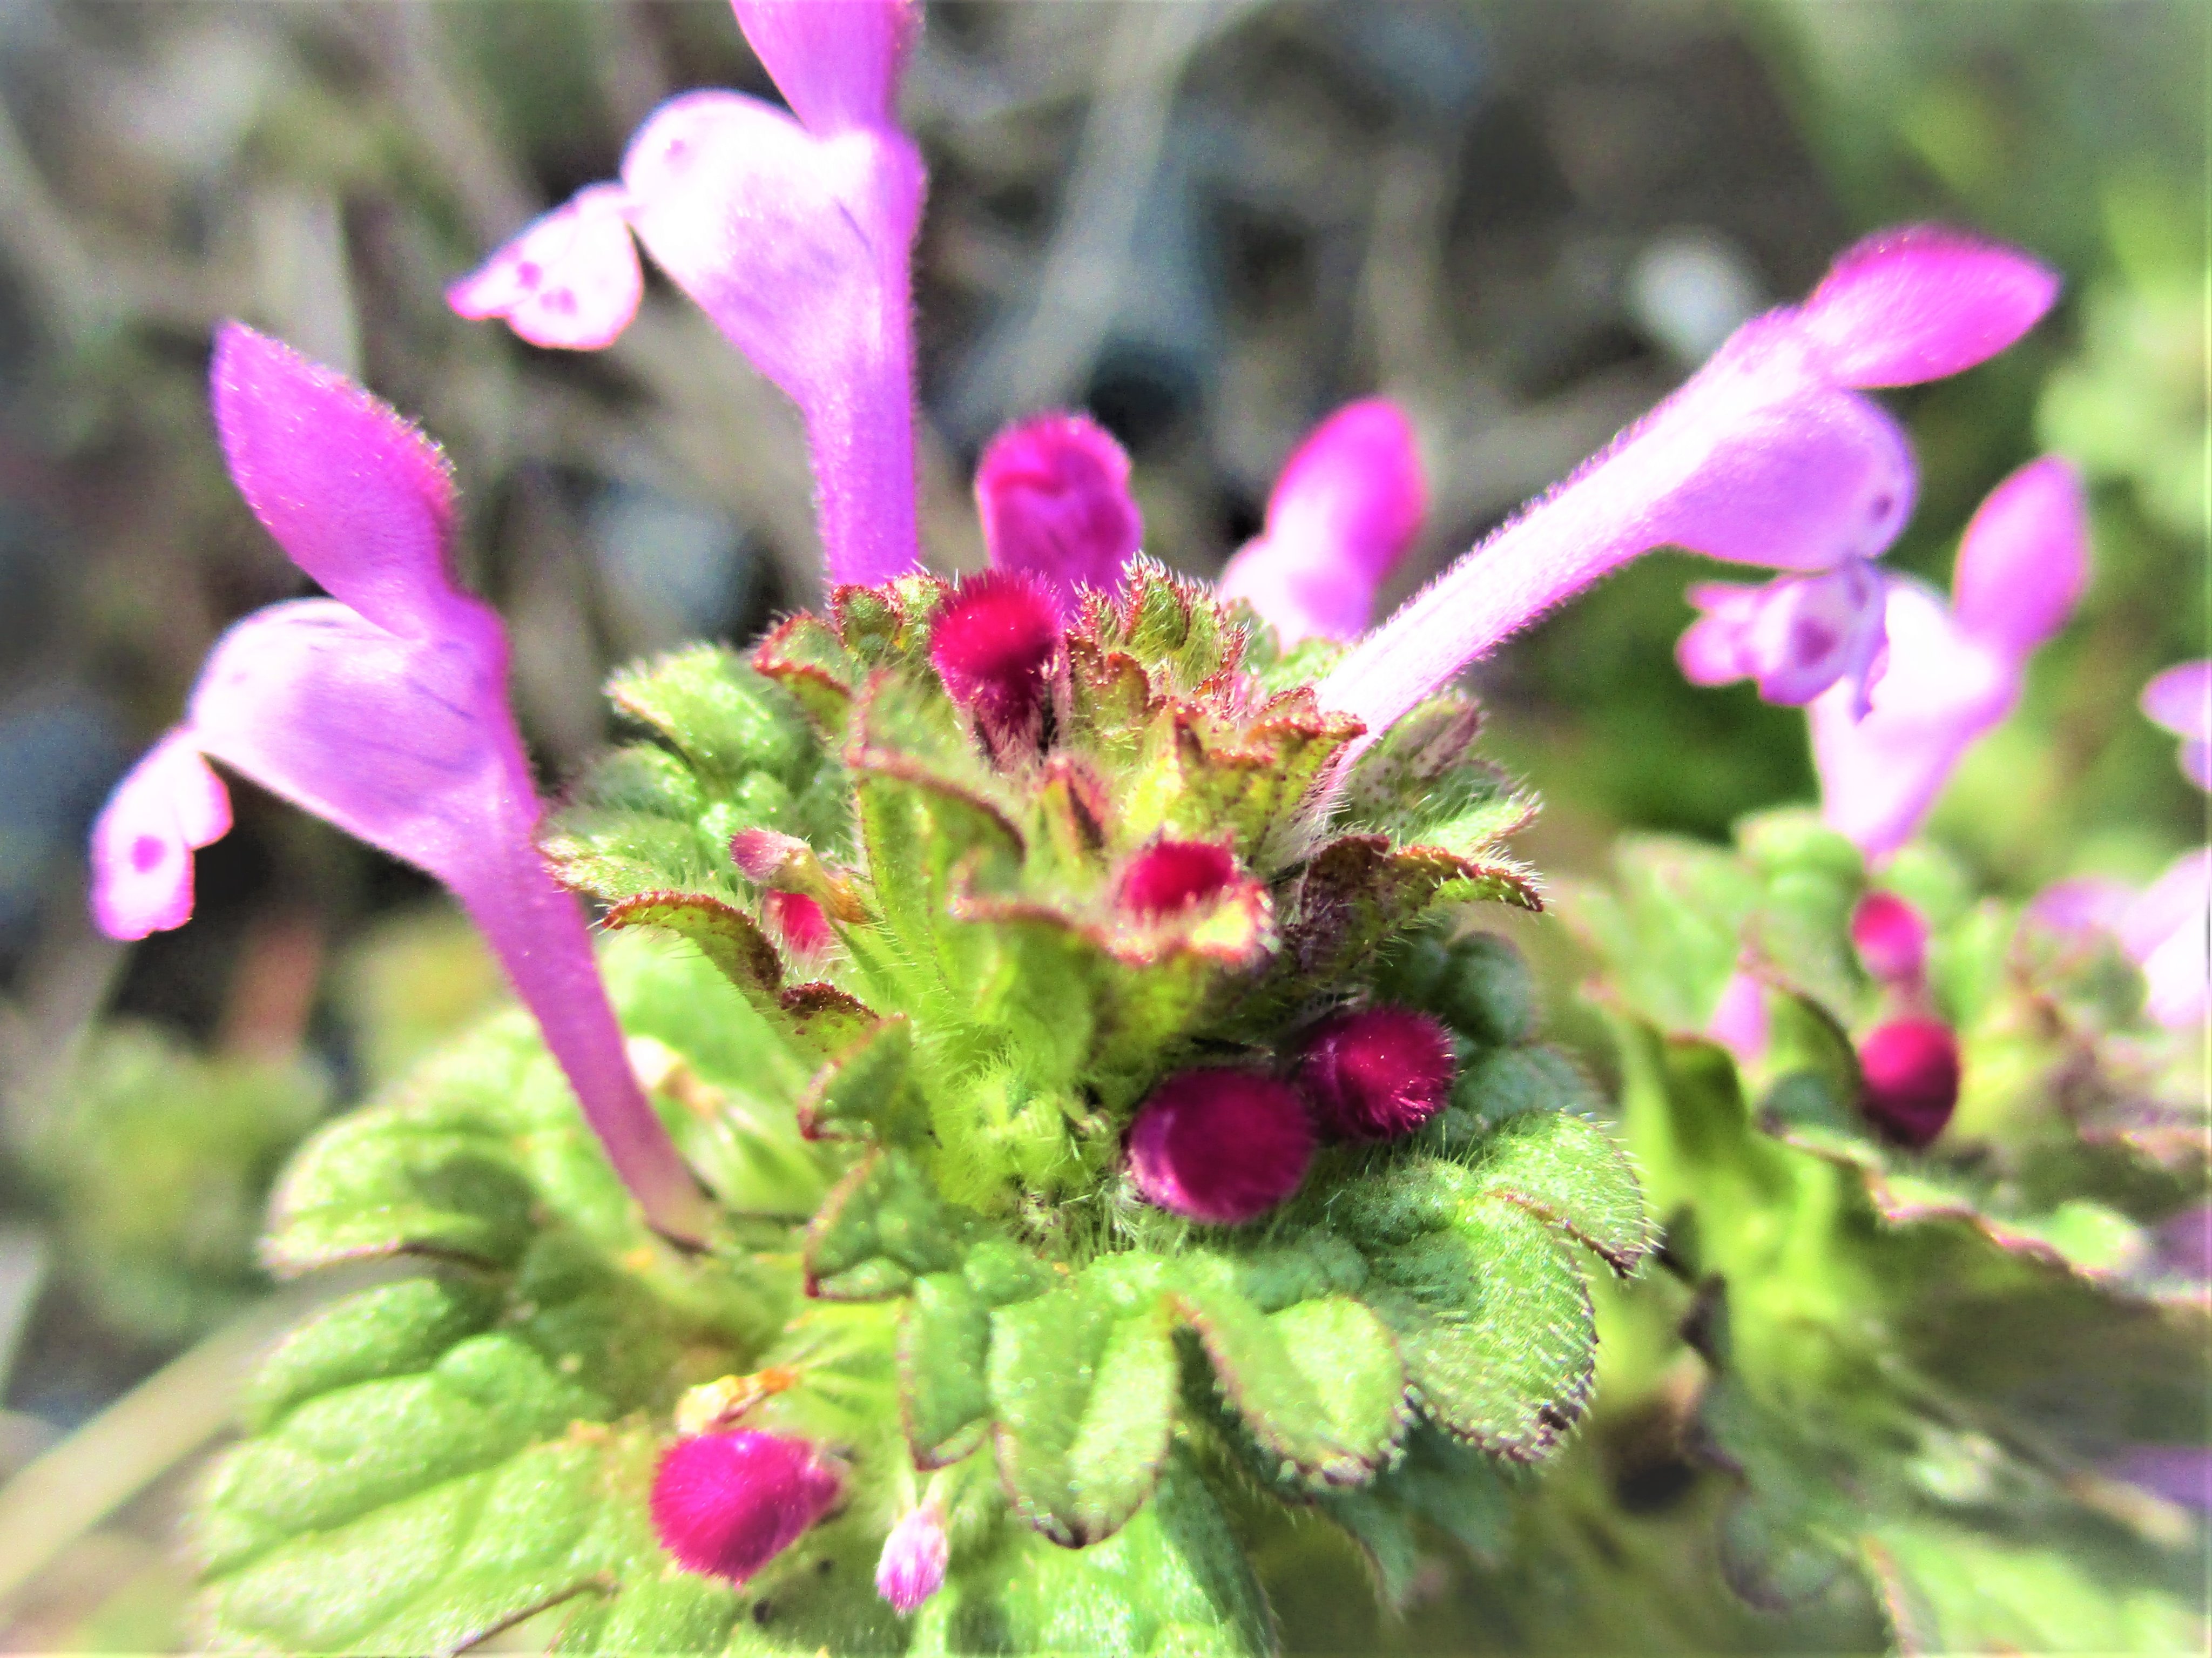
{"type": "Point", "coordinates": [1377, 1073]}
{"type": "Point", "coordinates": [992, 644]}
{"type": "Point", "coordinates": [2180, 699]}
{"type": "Point", "coordinates": [1909, 1070]}
{"type": "Point", "coordinates": [725, 1505]}
{"type": "Point", "coordinates": [1892, 940]}
{"type": "Point", "coordinates": [914, 1555]}
{"type": "Point", "coordinates": [1168, 877]}
{"type": "Point", "coordinates": [1220, 1146]}
{"type": "Point", "coordinates": [1348, 503]}
{"type": "Point", "coordinates": [1793, 638]}
{"type": "Point", "coordinates": [1054, 495]}
{"type": "Point", "coordinates": [799, 921]}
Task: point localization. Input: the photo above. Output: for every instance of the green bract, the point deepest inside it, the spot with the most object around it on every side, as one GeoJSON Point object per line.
{"type": "Point", "coordinates": [928, 1238]}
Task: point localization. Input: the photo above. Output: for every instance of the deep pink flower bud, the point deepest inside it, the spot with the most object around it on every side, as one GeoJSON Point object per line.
{"type": "Point", "coordinates": [912, 1567]}
{"type": "Point", "coordinates": [1220, 1146]}
{"type": "Point", "coordinates": [799, 921]}
{"type": "Point", "coordinates": [1170, 876]}
{"type": "Point", "coordinates": [992, 644]}
{"type": "Point", "coordinates": [1909, 1073]}
{"type": "Point", "coordinates": [1892, 940]}
{"type": "Point", "coordinates": [725, 1505]}
{"type": "Point", "coordinates": [1377, 1073]}
{"type": "Point", "coordinates": [1054, 493]}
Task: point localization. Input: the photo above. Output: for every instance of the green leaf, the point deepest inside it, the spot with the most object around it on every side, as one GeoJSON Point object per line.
{"type": "Point", "coordinates": [853, 1094]}
{"type": "Point", "coordinates": [879, 1230]}
{"type": "Point", "coordinates": [718, 713]}
{"type": "Point", "coordinates": [393, 1329]}
{"type": "Point", "coordinates": [1083, 1385]}
{"type": "Point", "coordinates": [1492, 1318]}
{"type": "Point", "coordinates": [945, 1347]}
{"type": "Point", "coordinates": [1565, 1170]}
{"type": "Point", "coordinates": [726, 935]}
{"type": "Point", "coordinates": [1950, 1589]}
{"type": "Point", "coordinates": [1319, 1383]}
{"type": "Point", "coordinates": [1172, 1583]}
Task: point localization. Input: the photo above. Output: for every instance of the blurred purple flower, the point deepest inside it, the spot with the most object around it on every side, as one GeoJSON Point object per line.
{"type": "Point", "coordinates": [381, 709]}
{"type": "Point", "coordinates": [793, 234]}
{"type": "Point", "coordinates": [2180, 699]}
{"type": "Point", "coordinates": [1053, 492]}
{"type": "Point", "coordinates": [1347, 504]}
{"type": "Point", "coordinates": [1891, 937]}
{"type": "Point", "coordinates": [1739, 1022]}
{"type": "Point", "coordinates": [2166, 930]}
{"type": "Point", "coordinates": [1769, 455]}
{"type": "Point", "coordinates": [1954, 672]}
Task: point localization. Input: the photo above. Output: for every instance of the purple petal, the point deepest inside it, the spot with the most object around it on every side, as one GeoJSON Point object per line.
{"type": "Point", "coordinates": [1348, 503]}
{"type": "Point", "coordinates": [2087, 904]}
{"type": "Point", "coordinates": [2167, 932]}
{"type": "Point", "coordinates": [356, 497]}
{"type": "Point", "coordinates": [1739, 1021]}
{"type": "Point", "coordinates": [797, 247]}
{"type": "Point", "coordinates": [2025, 558]}
{"type": "Point", "coordinates": [2180, 1473]}
{"type": "Point", "coordinates": [408, 744]}
{"type": "Point", "coordinates": [170, 804]}
{"type": "Point", "coordinates": [570, 281]}
{"type": "Point", "coordinates": [1795, 637]}
{"type": "Point", "coordinates": [1942, 689]}
{"type": "Point", "coordinates": [1920, 303]}
{"type": "Point", "coordinates": [837, 62]}
{"type": "Point", "coordinates": [1754, 460]}
{"type": "Point", "coordinates": [1054, 496]}
{"type": "Point", "coordinates": [2180, 699]}
{"type": "Point", "coordinates": [912, 1565]}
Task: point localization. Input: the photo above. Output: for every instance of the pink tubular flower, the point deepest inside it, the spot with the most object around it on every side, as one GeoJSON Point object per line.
{"type": "Point", "coordinates": [1769, 455]}
{"type": "Point", "coordinates": [381, 709]}
{"type": "Point", "coordinates": [725, 1504]}
{"type": "Point", "coordinates": [2180, 699]}
{"type": "Point", "coordinates": [1220, 1146]}
{"type": "Point", "coordinates": [1954, 672]}
{"type": "Point", "coordinates": [916, 1554]}
{"type": "Point", "coordinates": [793, 234]}
{"type": "Point", "coordinates": [1053, 492]}
{"type": "Point", "coordinates": [1376, 1073]}
{"type": "Point", "coordinates": [1346, 505]}
{"type": "Point", "coordinates": [1739, 1022]}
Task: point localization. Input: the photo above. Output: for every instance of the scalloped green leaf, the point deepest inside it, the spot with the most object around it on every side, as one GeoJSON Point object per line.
{"type": "Point", "coordinates": [1566, 1170]}
{"type": "Point", "coordinates": [1319, 1383]}
{"type": "Point", "coordinates": [725, 935]}
{"type": "Point", "coordinates": [719, 714]}
{"type": "Point", "coordinates": [881, 1228]}
{"type": "Point", "coordinates": [1172, 1583]}
{"type": "Point", "coordinates": [1083, 1386]}
{"type": "Point", "coordinates": [854, 1093]}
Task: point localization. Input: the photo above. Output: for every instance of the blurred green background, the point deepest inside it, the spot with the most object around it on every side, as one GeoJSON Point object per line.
{"type": "Point", "coordinates": [1208, 222]}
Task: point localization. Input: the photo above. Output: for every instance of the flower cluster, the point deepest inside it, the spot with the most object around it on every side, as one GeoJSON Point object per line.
{"type": "Point", "coordinates": [1107, 929]}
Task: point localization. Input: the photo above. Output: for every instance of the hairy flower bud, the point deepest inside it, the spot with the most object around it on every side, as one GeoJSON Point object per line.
{"type": "Point", "coordinates": [1170, 875]}
{"type": "Point", "coordinates": [992, 644]}
{"type": "Point", "coordinates": [1910, 1080]}
{"type": "Point", "coordinates": [1377, 1073]}
{"type": "Point", "coordinates": [798, 921]}
{"type": "Point", "coordinates": [1054, 496]}
{"type": "Point", "coordinates": [912, 1567]}
{"type": "Point", "coordinates": [1220, 1146]}
{"type": "Point", "coordinates": [725, 1505]}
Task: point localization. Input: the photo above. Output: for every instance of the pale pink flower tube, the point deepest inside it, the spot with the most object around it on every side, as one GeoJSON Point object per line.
{"type": "Point", "coordinates": [1768, 455]}
{"type": "Point", "coordinates": [794, 234]}
{"type": "Point", "coordinates": [382, 709]}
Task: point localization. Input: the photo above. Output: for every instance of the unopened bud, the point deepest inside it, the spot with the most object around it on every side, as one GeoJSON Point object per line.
{"type": "Point", "coordinates": [912, 1567]}
{"type": "Point", "coordinates": [1377, 1073]}
{"type": "Point", "coordinates": [1910, 1069]}
{"type": "Point", "coordinates": [725, 1505]}
{"type": "Point", "coordinates": [991, 645]}
{"type": "Point", "coordinates": [1220, 1146]}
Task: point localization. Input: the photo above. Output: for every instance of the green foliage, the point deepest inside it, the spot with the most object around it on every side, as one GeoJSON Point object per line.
{"type": "Point", "coordinates": [932, 1261]}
